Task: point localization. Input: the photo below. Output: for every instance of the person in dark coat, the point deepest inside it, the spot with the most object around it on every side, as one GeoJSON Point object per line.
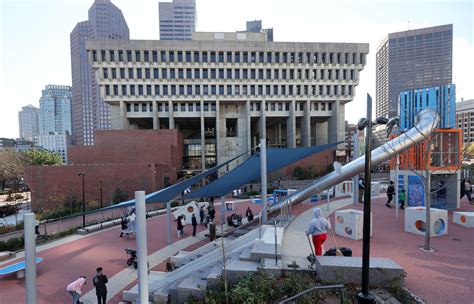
{"type": "Point", "coordinates": [249, 214]}
{"type": "Point", "coordinates": [390, 193]}
{"type": "Point", "coordinates": [100, 288]}
{"type": "Point", "coordinates": [212, 231]}
{"type": "Point", "coordinates": [201, 215]}
{"type": "Point", "coordinates": [180, 226]}
{"type": "Point", "coordinates": [194, 224]}
{"type": "Point", "coordinates": [212, 213]}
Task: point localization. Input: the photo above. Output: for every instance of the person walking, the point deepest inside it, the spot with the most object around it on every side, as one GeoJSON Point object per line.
{"type": "Point", "coordinates": [390, 193]}
{"type": "Point", "coordinates": [441, 195]}
{"type": "Point", "coordinates": [212, 231]}
{"type": "Point", "coordinates": [133, 223]}
{"type": "Point", "coordinates": [468, 190]}
{"type": "Point", "coordinates": [318, 228]}
{"type": "Point", "coordinates": [99, 282]}
{"type": "Point", "coordinates": [249, 214]}
{"type": "Point", "coordinates": [75, 289]}
{"type": "Point", "coordinates": [361, 189]}
{"type": "Point", "coordinates": [124, 226]}
{"type": "Point", "coordinates": [180, 226]}
{"type": "Point", "coordinates": [212, 213]}
{"type": "Point", "coordinates": [194, 224]}
{"type": "Point", "coordinates": [201, 215]}
{"type": "Point", "coordinates": [401, 199]}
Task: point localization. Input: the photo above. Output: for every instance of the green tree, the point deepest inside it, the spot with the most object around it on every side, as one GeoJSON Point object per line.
{"type": "Point", "coordinates": [119, 196]}
{"type": "Point", "coordinates": [12, 166]}
{"type": "Point", "coordinates": [38, 157]}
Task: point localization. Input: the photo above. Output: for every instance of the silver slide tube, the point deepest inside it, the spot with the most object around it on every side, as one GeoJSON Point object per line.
{"type": "Point", "coordinates": [426, 122]}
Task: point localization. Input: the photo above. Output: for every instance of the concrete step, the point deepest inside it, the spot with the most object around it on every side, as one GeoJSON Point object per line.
{"type": "Point", "coordinates": [246, 255]}
{"type": "Point", "coordinates": [213, 278]}
{"type": "Point", "coordinates": [260, 251]}
{"type": "Point", "coordinates": [236, 270]}
{"type": "Point", "coordinates": [190, 287]}
{"type": "Point", "coordinates": [155, 281]}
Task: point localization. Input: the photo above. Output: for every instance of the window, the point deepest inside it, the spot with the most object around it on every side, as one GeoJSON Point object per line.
{"type": "Point", "coordinates": [213, 56]}
{"type": "Point", "coordinates": [155, 73]}
{"type": "Point", "coordinates": [221, 56]}
{"type": "Point", "coordinates": [229, 57]}
{"type": "Point", "coordinates": [245, 74]}
{"type": "Point", "coordinates": [146, 56]}
{"type": "Point", "coordinates": [221, 89]}
{"type": "Point", "coordinates": [139, 73]}
{"type": "Point", "coordinates": [268, 89]}
{"type": "Point", "coordinates": [183, 107]}
{"type": "Point", "coordinates": [135, 107]}
{"type": "Point", "coordinates": [173, 73]}
{"type": "Point", "coordinates": [246, 57]}
{"type": "Point", "coordinates": [229, 89]}
{"type": "Point", "coordinates": [237, 57]}
{"type": "Point", "coordinates": [269, 57]}
{"type": "Point", "coordinates": [116, 90]}
{"type": "Point", "coordinates": [157, 89]}
{"type": "Point", "coordinates": [120, 54]}
{"type": "Point", "coordinates": [277, 57]}
{"type": "Point", "coordinates": [198, 107]}
{"type": "Point", "coordinates": [221, 73]}
{"type": "Point", "coordinates": [213, 73]}
{"type": "Point", "coordinates": [163, 56]}
{"type": "Point", "coordinates": [173, 89]}
{"type": "Point", "coordinates": [205, 89]}
{"type": "Point", "coordinates": [102, 56]}
{"type": "Point", "coordinates": [189, 89]}
{"type": "Point", "coordinates": [143, 107]}
{"type": "Point", "coordinates": [171, 54]}
{"type": "Point", "coordinates": [175, 107]}
{"type": "Point", "coordinates": [148, 89]}
{"type": "Point", "coordinates": [180, 74]}
{"type": "Point", "coordinates": [129, 108]}
{"type": "Point", "coordinates": [237, 90]}
{"type": "Point", "coordinates": [155, 56]}
{"type": "Point", "coordinates": [206, 106]}
{"type": "Point", "coordinates": [181, 89]}
{"type": "Point", "coordinates": [188, 56]}
{"type": "Point", "coordinates": [132, 90]}
{"type": "Point", "coordinates": [269, 74]}
{"type": "Point", "coordinates": [237, 74]}
{"type": "Point", "coordinates": [164, 73]}
{"type": "Point", "coordinates": [260, 73]}
{"type": "Point", "coordinates": [213, 89]}
{"type": "Point", "coordinates": [106, 73]}
{"type": "Point", "coordinates": [229, 73]}
{"type": "Point", "coordinates": [112, 55]}
{"type": "Point", "coordinates": [205, 74]}
{"type": "Point", "coordinates": [261, 57]}
{"type": "Point", "coordinates": [122, 73]}
{"type": "Point", "coordinates": [190, 107]}
{"type": "Point", "coordinates": [213, 106]}
{"type": "Point", "coordinates": [253, 57]}
{"type": "Point", "coordinates": [189, 74]}
{"type": "Point", "coordinates": [137, 56]}
{"type": "Point", "coordinates": [129, 56]}
{"type": "Point", "coordinates": [252, 73]}
{"type": "Point", "coordinates": [124, 89]}
{"type": "Point", "coordinates": [197, 90]}
{"type": "Point", "coordinates": [252, 90]}
{"type": "Point", "coordinates": [165, 91]}
{"type": "Point", "coordinates": [140, 89]}
{"type": "Point", "coordinates": [204, 56]}
{"type": "Point", "coordinates": [147, 73]}
{"type": "Point", "coordinates": [197, 74]}
{"type": "Point", "coordinates": [180, 56]}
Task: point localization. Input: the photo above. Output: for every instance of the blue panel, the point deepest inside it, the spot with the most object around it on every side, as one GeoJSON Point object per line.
{"type": "Point", "coordinates": [416, 193]}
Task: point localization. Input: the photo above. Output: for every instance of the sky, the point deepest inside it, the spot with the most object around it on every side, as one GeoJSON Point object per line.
{"type": "Point", "coordinates": [35, 47]}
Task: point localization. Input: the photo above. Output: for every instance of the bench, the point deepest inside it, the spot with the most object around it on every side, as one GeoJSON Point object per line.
{"type": "Point", "coordinates": [18, 268]}
{"type": "Point", "coordinates": [5, 255]}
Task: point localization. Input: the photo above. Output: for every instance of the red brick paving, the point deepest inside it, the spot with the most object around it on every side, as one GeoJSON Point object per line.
{"type": "Point", "coordinates": [64, 263]}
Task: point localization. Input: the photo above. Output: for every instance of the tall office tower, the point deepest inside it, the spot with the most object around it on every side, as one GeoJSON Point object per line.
{"type": "Point", "coordinates": [255, 26]}
{"type": "Point", "coordinates": [225, 91]}
{"type": "Point", "coordinates": [89, 111]}
{"type": "Point", "coordinates": [465, 119]}
{"type": "Point", "coordinates": [177, 19]}
{"type": "Point", "coordinates": [409, 60]}
{"type": "Point", "coordinates": [28, 118]}
{"type": "Point", "coordinates": [55, 109]}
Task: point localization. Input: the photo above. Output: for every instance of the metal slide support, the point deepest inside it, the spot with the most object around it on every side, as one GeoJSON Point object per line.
{"type": "Point", "coordinates": [142, 252]}
{"type": "Point", "coordinates": [168, 221]}
{"type": "Point", "coordinates": [263, 173]}
{"type": "Point", "coordinates": [355, 178]}
{"type": "Point", "coordinates": [30, 257]}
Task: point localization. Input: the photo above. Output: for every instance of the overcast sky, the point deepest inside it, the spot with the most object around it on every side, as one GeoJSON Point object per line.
{"type": "Point", "coordinates": [35, 47]}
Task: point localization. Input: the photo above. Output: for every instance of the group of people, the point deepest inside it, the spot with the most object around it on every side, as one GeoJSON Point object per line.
{"type": "Point", "coordinates": [391, 193]}
{"type": "Point", "coordinates": [129, 224]}
{"type": "Point", "coordinates": [207, 217]}
{"type": "Point", "coordinates": [100, 280]}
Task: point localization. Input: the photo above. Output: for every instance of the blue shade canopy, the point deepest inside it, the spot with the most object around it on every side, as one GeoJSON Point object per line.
{"type": "Point", "coordinates": [167, 194]}
{"type": "Point", "coordinates": [250, 169]}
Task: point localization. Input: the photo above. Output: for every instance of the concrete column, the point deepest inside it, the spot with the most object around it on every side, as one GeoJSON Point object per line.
{"type": "Point", "coordinates": [291, 126]}
{"type": "Point", "coordinates": [168, 222]}
{"type": "Point", "coordinates": [306, 126]}
{"type": "Point", "coordinates": [218, 133]}
{"type": "Point", "coordinates": [156, 121]}
{"type": "Point", "coordinates": [279, 139]}
{"type": "Point", "coordinates": [263, 177]}
{"type": "Point", "coordinates": [336, 124]}
{"type": "Point", "coordinates": [142, 252]}
{"type": "Point", "coordinates": [321, 131]}
{"type": "Point", "coordinates": [171, 115]}
{"type": "Point", "coordinates": [355, 178]}
{"type": "Point", "coordinates": [203, 138]}
{"type": "Point", "coordinates": [123, 115]}
{"type": "Point", "coordinates": [262, 123]}
{"type": "Point", "coordinates": [30, 257]}
{"type": "Point", "coordinates": [249, 126]}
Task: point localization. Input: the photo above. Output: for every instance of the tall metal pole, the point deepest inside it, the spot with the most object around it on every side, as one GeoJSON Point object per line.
{"type": "Point", "coordinates": [427, 245]}
{"type": "Point", "coordinates": [168, 221]}
{"type": "Point", "coordinates": [327, 196]}
{"type": "Point", "coordinates": [83, 200]}
{"type": "Point", "coordinates": [364, 296]}
{"type": "Point", "coordinates": [222, 210]}
{"type": "Point", "coordinates": [101, 202]}
{"type": "Point", "coordinates": [30, 257]}
{"type": "Point", "coordinates": [142, 251]}
{"type": "Point", "coordinates": [396, 186]}
{"type": "Point", "coordinates": [355, 178]}
{"type": "Point", "coordinates": [263, 173]}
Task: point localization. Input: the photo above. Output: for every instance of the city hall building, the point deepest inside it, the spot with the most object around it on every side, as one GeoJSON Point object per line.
{"type": "Point", "coordinates": [225, 91]}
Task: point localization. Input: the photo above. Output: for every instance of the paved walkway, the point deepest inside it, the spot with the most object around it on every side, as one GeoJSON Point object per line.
{"type": "Point", "coordinates": [445, 276]}
{"type": "Point", "coordinates": [71, 257]}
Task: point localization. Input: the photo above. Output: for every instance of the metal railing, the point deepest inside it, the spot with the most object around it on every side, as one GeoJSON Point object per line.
{"type": "Point", "coordinates": [339, 288]}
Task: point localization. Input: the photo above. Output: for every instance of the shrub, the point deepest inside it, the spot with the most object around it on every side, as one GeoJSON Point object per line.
{"type": "Point", "coordinates": [252, 193]}
{"type": "Point", "coordinates": [14, 244]}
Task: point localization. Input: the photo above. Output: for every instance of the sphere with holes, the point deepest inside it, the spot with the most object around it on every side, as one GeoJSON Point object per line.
{"type": "Point", "coordinates": [465, 219]}
{"type": "Point", "coordinates": [415, 221]}
{"type": "Point", "coordinates": [349, 223]}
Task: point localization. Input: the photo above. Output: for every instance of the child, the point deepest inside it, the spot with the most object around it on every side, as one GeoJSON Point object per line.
{"type": "Point", "coordinates": [401, 199]}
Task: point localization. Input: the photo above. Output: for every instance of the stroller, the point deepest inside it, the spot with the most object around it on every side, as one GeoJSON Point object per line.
{"type": "Point", "coordinates": [133, 257]}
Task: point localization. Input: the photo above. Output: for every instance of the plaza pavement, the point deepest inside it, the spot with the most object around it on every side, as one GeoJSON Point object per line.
{"type": "Point", "coordinates": [441, 277]}
{"type": "Point", "coordinates": [65, 260]}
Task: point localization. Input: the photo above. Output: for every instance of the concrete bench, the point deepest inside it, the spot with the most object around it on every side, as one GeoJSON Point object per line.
{"type": "Point", "coordinates": [5, 255]}
{"type": "Point", "coordinates": [465, 219]}
{"type": "Point", "coordinates": [18, 268]}
{"type": "Point", "coordinates": [348, 270]}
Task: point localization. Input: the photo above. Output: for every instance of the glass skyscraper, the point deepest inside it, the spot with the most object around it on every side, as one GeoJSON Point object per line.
{"type": "Point", "coordinates": [410, 60]}
{"type": "Point", "coordinates": [89, 112]}
{"type": "Point", "coordinates": [28, 119]}
{"type": "Point", "coordinates": [177, 19]}
{"type": "Point", "coordinates": [55, 109]}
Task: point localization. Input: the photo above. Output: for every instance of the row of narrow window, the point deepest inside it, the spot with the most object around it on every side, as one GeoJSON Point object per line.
{"type": "Point", "coordinates": [228, 57]}
{"type": "Point", "coordinates": [261, 74]}
{"type": "Point", "coordinates": [229, 90]}
{"type": "Point", "coordinates": [211, 106]}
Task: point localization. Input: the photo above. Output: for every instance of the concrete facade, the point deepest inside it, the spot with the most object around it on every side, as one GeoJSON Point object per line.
{"type": "Point", "coordinates": [28, 119]}
{"type": "Point", "coordinates": [89, 112]}
{"type": "Point", "coordinates": [177, 19]}
{"type": "Point", "coordinates": [465, 119]}
{"type": "Point", "coordinates": [409, 60]}
{"type": "Point", "coordinates": [225, 95]}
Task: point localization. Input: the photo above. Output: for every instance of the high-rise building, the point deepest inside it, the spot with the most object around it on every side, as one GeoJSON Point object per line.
{"type": "Point", "coordinates": [441, 99]}
{"type": "Point", "coordinates": [411, 60]}
{"type": "Point", "coordinates": [177, 19]}
{"type": "Point", "coordinates": [465, 119]}
{"type": "Point", "coordinates": [225, 91]}
{"type": "Point", "coordinates": [55, 109]}
{"type": "Point", "coordinates": [89, 111]}
{"type": "Point", "coordinates": [28, 119]}
{"type": "Point", "coordinates": [255, 26]}
{"type": "Point", "coordinates": [55, 142]}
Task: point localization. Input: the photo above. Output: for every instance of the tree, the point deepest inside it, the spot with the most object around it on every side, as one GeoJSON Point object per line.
{"type": "Point", "coordinates": [119, 196]}
{"type": "Point", "coordinates": [37, 157]}
{"type": "Point", "coordinates": [12, 166]}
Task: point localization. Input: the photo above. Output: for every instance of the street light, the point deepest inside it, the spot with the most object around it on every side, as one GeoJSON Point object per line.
{"type": "Point", "coordinates": [83, 174]}
{"type": "Point", "coordinates": [366, 123]}
{"type": "Point", "coordinates": [101, 202]}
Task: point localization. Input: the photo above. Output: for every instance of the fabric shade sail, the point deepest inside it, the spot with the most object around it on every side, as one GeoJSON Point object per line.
{"type": "Point", "coordinates": [249, 170]}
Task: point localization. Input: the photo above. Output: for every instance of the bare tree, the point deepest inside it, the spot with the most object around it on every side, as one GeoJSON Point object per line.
{"type": "Point", "coordinates": [225, 248]}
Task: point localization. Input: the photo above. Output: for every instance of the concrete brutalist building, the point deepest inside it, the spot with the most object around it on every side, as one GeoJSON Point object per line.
{"type": "Point", "coordinates": [409, 60]}
{"type": "Point", "coordinates": [224, 91]}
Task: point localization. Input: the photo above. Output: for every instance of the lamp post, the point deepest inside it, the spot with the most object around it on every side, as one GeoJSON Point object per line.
{"type": "Point", "coordinates": [83, 174]}
{"type": "Point", "coordinates": [101, 202]}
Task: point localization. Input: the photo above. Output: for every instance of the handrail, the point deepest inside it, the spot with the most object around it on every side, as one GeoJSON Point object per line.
{"type": "Point", "coordinates": [340, 288]}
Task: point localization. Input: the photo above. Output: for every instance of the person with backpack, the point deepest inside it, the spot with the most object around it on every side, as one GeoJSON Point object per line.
{"type": "Point", "coordinates": [390, 193]}
{"type": "Point", "coordinates": [100, 288]}
{"type": "Point", "coordinates": [401, 199]}
{"type": "Point", "coordinates": [194, 224]}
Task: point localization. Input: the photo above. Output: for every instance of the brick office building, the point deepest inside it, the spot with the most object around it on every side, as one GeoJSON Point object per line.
{"type": "Point", "coordinates": [127, 159]}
